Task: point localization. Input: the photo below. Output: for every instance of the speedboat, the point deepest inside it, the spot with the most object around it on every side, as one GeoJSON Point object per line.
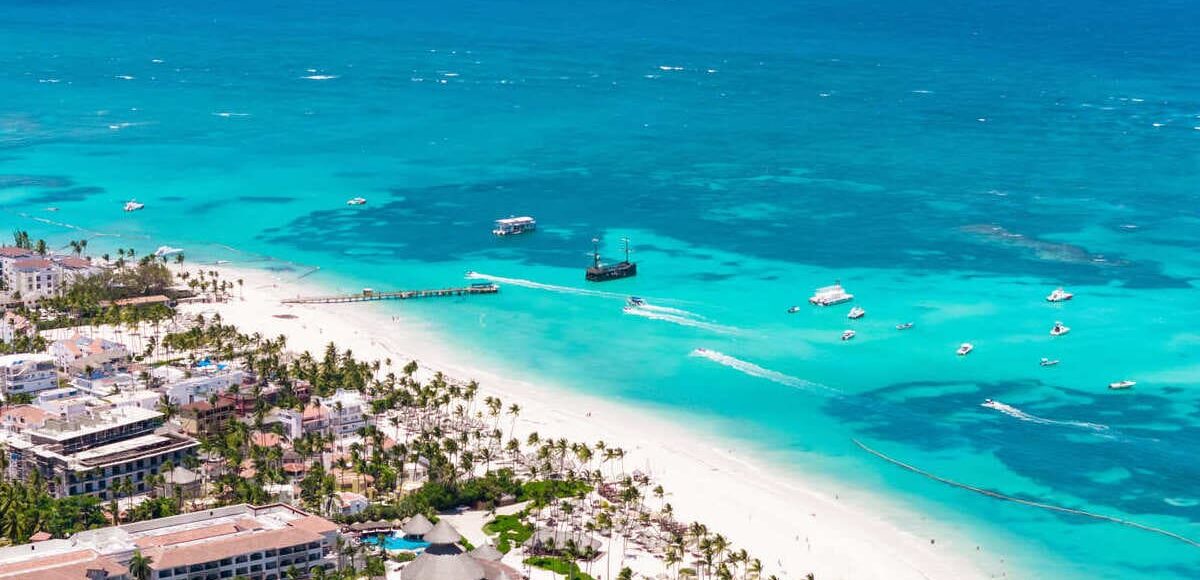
{"type": "Point", "coordinates": [1048, 363]}
{"type": "Point", "coordinates": [965, 348]}
{"type": "Point", "coordinates": [1121, 385]}
{"type": "Point", "coordinates": [793, 310]}
{"type": "Point", "coordinates": [847, 335]}
{"type": "Point", "coordinates": [1059, 295]}
{"type": "Point", "coordinates": [52, 209]}
{"type": "Point", "coordinates": [634, 302]}
{"type": "Point", "coordinates": [1059, 329]}
{"type": "Point", "coordinates": [905, 326]}
{"type": "Point", "coordinates": [856, 313]}
{"type": "Point", "coordinates": [133, 205]}
{"type": "Point", "coordinates": [357, 201]}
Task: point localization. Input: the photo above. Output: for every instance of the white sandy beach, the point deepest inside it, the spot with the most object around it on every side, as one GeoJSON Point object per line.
{"type": "Point", "coordinates": [795, 525]}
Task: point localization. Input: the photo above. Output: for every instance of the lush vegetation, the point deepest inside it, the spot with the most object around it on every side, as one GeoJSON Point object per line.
{"type": "Point", "coordinates": [561, 566]}
{"type": "Point", "coordinates": [543, 493]}
{"type": "Point", "coordinates": [510, 532]}
{"type": "Point", "coordinates": [26, 508]}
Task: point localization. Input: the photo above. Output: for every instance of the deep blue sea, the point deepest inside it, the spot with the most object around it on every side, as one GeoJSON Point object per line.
{"type": "Point", "coordinates": [949, 162]}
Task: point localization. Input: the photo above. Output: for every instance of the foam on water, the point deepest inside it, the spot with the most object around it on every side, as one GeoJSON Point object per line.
{"type": "Point", "coordinates": [682, 320]}
{"type": "Point", "coordinates": [1023, 416]}
{"type": "Point", "coordinates": [754, 370]}
{"type": "Point", "coordinates": [541, 286]}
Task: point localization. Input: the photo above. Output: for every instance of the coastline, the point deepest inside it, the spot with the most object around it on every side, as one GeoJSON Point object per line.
{"type": "Point", "coordinates": [795, 524]}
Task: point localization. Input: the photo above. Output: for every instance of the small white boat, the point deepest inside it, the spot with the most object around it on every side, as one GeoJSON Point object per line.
{"type": "Point", "coordinates": [1059, 295]}
{"type": "Point", "coordinates": [965, 348]}
{"type": "Point", "coordinates": [905, 326]}
{"type": "Point", "coordinates": [793, 310]}
{"type": "Point", "coordinates": [856, 313]}
{"type": "Point", "coordinates": [830, 295]}
{"type": "Point", "coordinates": [52, 209]}
{"type": "Point", "coordinates": [1121, 385]}
{"type": "Point", "coordinates": [635, 301]}
{"type": "Point", "coordinates": [1048, 363]}
{"type": "Point", "coordinates": [133, 205]}
{"type": "Point", "coordinates": [847, 335]}
{"type": "Point", "coordinates": [1059, 329]}
{"type": "Point", "coordinates": [357, 201]}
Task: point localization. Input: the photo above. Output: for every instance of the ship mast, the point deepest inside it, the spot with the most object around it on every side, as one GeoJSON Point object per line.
{"type": "Point", "coordinates": [626, 241]}
{"type": "Point", "coordinates": [596, 252]}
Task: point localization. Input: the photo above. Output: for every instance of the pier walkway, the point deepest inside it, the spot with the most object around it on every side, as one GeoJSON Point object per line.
{"type": "Point", "coordinates": [369, 295]}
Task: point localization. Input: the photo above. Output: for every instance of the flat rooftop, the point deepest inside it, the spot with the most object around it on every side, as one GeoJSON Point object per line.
{"type": "Point", "coordinates": [100, 421]}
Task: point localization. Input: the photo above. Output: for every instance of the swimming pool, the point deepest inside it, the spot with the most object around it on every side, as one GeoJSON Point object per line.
{"type": "Point", "coordinates": [395, 542]}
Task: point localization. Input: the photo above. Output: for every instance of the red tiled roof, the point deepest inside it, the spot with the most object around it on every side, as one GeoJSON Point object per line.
{"type": "Point", "coordinates": [24, 414]}
{"type": "Point", "coordinates": [174, 556]}
{"type": "Point", "coordinates": [74, 262]}
{"type": "Point", "coordinates": [265, 439]}
{"type": "Point", "coordinates": [14, 252]}
{"type": "Point", "coordinates": [186, 536]}
{"type": "Point", "coordinates": [32, 264]}
{"type": "Point", "coordinates": [59, 566]}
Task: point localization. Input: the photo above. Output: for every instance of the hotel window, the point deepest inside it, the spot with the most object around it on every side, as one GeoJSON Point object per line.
{"type": "Point", "coordinates": [256, 556]}
{"type": "Point", "coordinates": [226, 561]}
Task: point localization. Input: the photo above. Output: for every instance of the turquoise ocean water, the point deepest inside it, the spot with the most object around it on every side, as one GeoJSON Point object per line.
{"type": "Point", "coordinates": [949, 164]}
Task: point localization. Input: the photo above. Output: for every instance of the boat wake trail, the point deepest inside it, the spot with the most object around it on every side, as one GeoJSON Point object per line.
{"type": "Point", "coordinates": [1023, 416]}
{"type": "Point", "coordinates": [683, 320]}
{"type": "Point", "coordinates": [541, 286]}
{"type": "Point", "coordinates": [671, 311]}
{"type": "Point", "coordinates": [754, 370]}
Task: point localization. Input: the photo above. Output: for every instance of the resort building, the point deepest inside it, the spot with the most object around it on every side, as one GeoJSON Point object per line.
{"type": "Point", "coordinates": [78, 346]}
{"type": "Point", "coordinates": [204, 418]}
{"type": "Point", "coordinates": [13, 325]}
{"type": "Point", "coordinates": [9, 255]}
{"type": "Point", "coordinates": [345, 411]}
{"type": "Point", "coordinates": [88, 454]}
{"type": "Point", "coordinates": [34, 278]}
{"type": "Point", "coordinates": [20, 418]}
{"type": "Point", "coordinates": [201, 384]}
{"type": "Point", "coordinates": [350, 503]}
{"type": "Point", "coordinates": [242, 541]}
{"type": "Point", "coordinates": [26, 374]}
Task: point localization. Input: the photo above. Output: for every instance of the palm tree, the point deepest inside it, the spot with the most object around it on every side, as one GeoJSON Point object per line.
{"type": "Point", "coordinates": [139, 566]}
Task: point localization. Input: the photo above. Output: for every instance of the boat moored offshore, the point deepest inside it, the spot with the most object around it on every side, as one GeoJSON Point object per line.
{"type": "Point", "coordinates": [856, 313]}
{"type": "Point", "coordinates": [965, 349]}
{"type": "Point", "coordinates": [1059, 329]}
{"type": "Point", "coordinates": [830, 295]}
{"type": "Point", "coordinates": [1048, 362]}
{"type": "Point", "coordinates": [600, 272]}
{"type": "Point", "coordinates": [848, 334]}
{"type": "Point", "coordinates": [1059, 295]}
{"type": "Point", "coordinates": [357, 201]}
{"type": "Point", "coordinates": [133, 205]}
{"type": "Point", "coordinates": [904, 326]}
{"type": "Point", "coordinates": [511, 226]}
{"type": "Point", "coordinates": [1126, 384]}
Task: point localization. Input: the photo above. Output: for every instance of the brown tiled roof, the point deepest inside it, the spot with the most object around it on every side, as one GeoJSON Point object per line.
{"type": "Point", "coordinates": [31, 415]}
{"type": "Point", "coordinates": [313, 524]}
{"type": "Point", "coordinates": [60, 566]}
{"type": "Point", "coordinates": [186, 536]}
{"type": "Point", "coordinates": [32, 264]}
{"type": "Point", "coordinates": [74, 262]}
{"type": "Point", "coordinates": [198, 552]}
{"type": "Point", "coordinates": [14, 252]}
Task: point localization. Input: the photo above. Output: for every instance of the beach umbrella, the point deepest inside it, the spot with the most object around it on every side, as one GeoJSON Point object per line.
{"type": "Point", "coordinates": [442, 533]}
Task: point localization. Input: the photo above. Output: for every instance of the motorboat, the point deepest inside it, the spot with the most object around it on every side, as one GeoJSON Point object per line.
{"type": "Point", "coordinates": [1059, 329]}
{"type": "Point", "coordinates": [1048, 363]}
{"type": "Point", "coordinates": [133, 205]}
{"type": "Point", "coordinates": [830, 295]}
{"type": "Point", "coordinates": [856, 313]}
{"type": "Point", "coordinates": [357, 201]}
{"type": "Point", "coordinates": [965, 348]}
{"type": "Point", "coordinates": [52, 209]}
{"type": "Point", "coordinates": [1059, 295]}
{"type": "Point", "coordinates": [904, 326]}
{"type": "Point", "coordinates": [635, 301]}
{"type": "Point", "coordinates": [847, 335]}
{"type": "Point", "coordinates": [793, 310]}
{"type": "Point", "coordinates": [1121, 385]}
{"type": "Point", "coordinates": [514, 225]}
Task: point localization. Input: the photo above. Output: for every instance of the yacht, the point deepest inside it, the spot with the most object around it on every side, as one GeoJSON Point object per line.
{"type": "Point", "coordinates": [1059, 295]}
{"type": "Point", "coordinates": [905, 326]}
{"type": "Point", "coordinates": [856, 313]}
{"type": "Point", "coordinates": [848, 334]}
{"type": "Point", "coordinates": [1121, 385]}
{"type": "Point", "coordinates": [514, 225]}
{"type": "Point", "coordinates": [635, 301]}
{"type": "Point", "coordinates": [830, 295]}
{"type": "Point", "coordinates": [357, 201]}
{"type": "Point", "coordinates": [965, 348]}
{"type": "Point", "coordinates": [133, 205]}
{"type": "Point", "coordinates": [793, 310]}
{"type": "Point", "coordinates": [1048, 363]}
{"type": "Point", "coordinates": [1059, 329]}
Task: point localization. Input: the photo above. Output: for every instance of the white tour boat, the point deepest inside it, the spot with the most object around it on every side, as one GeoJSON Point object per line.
{"type": "Point", "coordinates": [1121, 385]}
{"type": "Point", "coordinates": [357, 201]}
{"type": "Point", "coordinates": [1059, 295]}
{"type": "Point", "coordinates": [512, 226]}
{"type": "Point", "coordinates": [965, 348]}
{"type": "Point", "coordinates": [1059, 329]}
{"type": "Point", "coordinates": [830, 295]}
{"type": "Point", "coordinates": [847, 335]}
{"type": "Point", "coordinates": [133, 205]}
{"type": "Point", "coordinates": [856, 313]}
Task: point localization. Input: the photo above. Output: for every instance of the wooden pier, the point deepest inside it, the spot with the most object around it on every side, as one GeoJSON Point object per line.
{"type": "Point", "coordinates": [369, 295]}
